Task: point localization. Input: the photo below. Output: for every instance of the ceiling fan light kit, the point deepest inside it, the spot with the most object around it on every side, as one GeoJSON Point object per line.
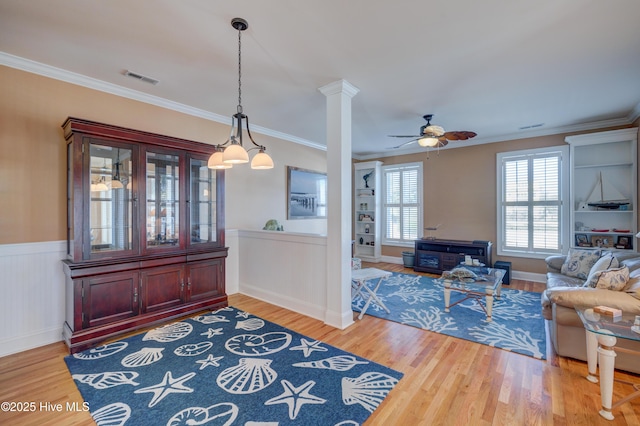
{"type": "Point", "coordinates": [432, 135]}
{"type": "Point", "coordinates": [429, 141]}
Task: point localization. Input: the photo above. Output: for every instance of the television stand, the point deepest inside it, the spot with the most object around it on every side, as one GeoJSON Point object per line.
{"type": "Point", "coordinates": [437, 255]}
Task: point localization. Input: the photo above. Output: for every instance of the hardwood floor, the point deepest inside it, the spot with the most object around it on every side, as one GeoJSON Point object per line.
{"type": "Point", "coordinates": [447, 381]}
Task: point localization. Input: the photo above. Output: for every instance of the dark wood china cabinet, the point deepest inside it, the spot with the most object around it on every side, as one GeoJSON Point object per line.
{"type": "Point", "coordinates": [145, 231]}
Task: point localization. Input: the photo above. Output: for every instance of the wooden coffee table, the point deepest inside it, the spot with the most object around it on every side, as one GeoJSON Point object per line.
{"type": "Point", "coordinates": [488, 282]}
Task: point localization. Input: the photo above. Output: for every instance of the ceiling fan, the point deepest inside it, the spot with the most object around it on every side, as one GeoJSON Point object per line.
{"type": "Point", "coordinates": [432, 135]}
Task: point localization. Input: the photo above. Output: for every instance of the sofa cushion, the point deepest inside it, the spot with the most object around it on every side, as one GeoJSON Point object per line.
{"type": "Point", "coordinates": [555, 279]}
{"type": "Point", "coordinates": [570, 297]}
{"type": "Point", "coordinates": [579, 263]}
{"type": "Point", "coordinates": [602, 264]}
{"type": "Point", "coordinates": [555, 262]}
{"type": "Point", "coordinates": [632, 263]}
{"type": "Point", "coordinates": [633, 285]}
{"type": "Point", "coordinates": [613, 279]}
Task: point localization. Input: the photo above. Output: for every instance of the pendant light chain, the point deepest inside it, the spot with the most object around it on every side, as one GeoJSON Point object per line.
{"type": "Point", "coordinates": [239, 71]}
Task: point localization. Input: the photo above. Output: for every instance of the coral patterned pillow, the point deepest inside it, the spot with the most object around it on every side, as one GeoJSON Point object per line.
{"type": "Point", "coordinates": [613, 279]}
{"type": "Point", "coordinates": [579, 263]}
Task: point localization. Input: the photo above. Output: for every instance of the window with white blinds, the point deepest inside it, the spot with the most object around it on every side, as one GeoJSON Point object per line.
{"type": "Point", "coordinates": [401, 203]}
{"type": "Point", "coordinates": [532, 185]}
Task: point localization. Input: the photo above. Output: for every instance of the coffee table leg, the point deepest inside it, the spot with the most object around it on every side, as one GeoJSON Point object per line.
{"type": "Point", "coordinates": [489, 303]}
{"type": "Point", "coordinates": [607, 364]}
{"type": "Point", "coordinates": [592, 356]}
{"type": "Point", "coordinates": [447, 294]}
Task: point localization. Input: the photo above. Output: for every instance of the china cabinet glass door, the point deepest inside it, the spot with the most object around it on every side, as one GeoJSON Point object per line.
{"type": "Point", "coordinates": [202, 205]}
{"type": "Point", "coordinates": [111, 204]}
{"type": "Point", "coordinates": [162, 200]}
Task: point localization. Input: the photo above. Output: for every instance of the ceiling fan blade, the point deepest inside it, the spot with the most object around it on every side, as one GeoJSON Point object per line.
{"type": "Point", "coordinates": [459, 135]}
{"type": "Point", "coordinates": [403, 136]}
{"type": "Point", "coordinates": [442, 142]}
{"type": "Point", "coordinates": [403, 144]}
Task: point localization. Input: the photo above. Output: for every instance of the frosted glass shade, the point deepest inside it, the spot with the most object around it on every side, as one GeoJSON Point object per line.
{"type": "Point", "coordinates": [116, 184]}
{"type": "Point", "coordinates": [262, 161]}
{"type": "Point", "coordinates": [215, 161]}
{"type": "Point", "coordinates": [235, 154]}
{"type": "Point", "coordinates": [427, 142]}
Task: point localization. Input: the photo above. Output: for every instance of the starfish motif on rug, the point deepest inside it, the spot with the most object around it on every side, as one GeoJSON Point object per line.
{"type": "Point", "coordinates": [308, 346]}
{"type": "Point", "coordinates": [167, 386]}
{"type": "Point", "coordinates": [211, 332]}
{"type": "Point", "coordinates": [210, 360]}
{"type": "Point", "coordinates": [296, 397]}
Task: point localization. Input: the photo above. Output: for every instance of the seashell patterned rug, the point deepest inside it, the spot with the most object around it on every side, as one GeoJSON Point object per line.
{"type": "Point", "coordinates": [517, 324]}
{"type": "Point", "coordinates": [227, 367]}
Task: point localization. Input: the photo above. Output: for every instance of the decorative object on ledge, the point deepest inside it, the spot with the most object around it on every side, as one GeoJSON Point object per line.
{"type": "Point", "coordinates": [605, 196]}
{"type": "Point", "coordinates": [273, 225]}
{"type": "Point", "coordinates": [306, 194]}
{"type": "Point", "coordinates": [431, 230]}
{"type": "Point", "coordinates": [232, 151]}
{"type": "Point", "coordinates": [366, 177]}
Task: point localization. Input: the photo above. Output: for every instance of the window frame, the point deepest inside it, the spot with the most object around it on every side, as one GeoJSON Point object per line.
{"type": "Point", "coordinates": [564, 212]}
{"type": "Point", "coordinates": [402, 166]}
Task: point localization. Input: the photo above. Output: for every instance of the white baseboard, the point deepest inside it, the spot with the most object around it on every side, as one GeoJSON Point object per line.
{"type": "Point", "coordinates": [26, 342]}
{"type": "Point", "coordinates": [283, 301]}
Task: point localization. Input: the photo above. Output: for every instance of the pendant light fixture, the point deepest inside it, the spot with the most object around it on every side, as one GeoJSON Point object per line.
{"type": "Point", "coordinates": [116, 180]}
{"type": "Point", "coordinates": [232, 151]}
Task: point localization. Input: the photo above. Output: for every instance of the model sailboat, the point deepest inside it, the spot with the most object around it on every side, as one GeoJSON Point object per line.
{"type": "Point", "coordinates": [605, 196]}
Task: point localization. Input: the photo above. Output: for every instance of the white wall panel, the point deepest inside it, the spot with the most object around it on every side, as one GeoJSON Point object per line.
{"type": "Point", "coordinates": [285, 269]}
{"type": "Point", "coordinates": [32, 287]}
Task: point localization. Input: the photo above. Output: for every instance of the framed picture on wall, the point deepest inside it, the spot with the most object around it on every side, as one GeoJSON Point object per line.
{"type": "Point", "coordinates": [306, 194]}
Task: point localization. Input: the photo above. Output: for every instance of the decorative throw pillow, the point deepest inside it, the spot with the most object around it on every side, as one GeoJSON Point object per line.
{"type": "Point", "coordinates": [633, 285]}
{"type": "Point", "coordinates": [579, 263]}
{"type": "Point", "coordinates": [613, 279]}
{"type": "Point", "coordinates": [602, 264]}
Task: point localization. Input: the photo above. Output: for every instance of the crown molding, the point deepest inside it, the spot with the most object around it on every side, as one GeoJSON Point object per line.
{"type": "Point", "coordinates": [44, 70]}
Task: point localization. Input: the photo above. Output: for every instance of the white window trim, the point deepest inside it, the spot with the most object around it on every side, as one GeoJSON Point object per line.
{"type": "Point", "coordinates": [395, 242]}
{"type": "Point", "coordinates": [564, 207]}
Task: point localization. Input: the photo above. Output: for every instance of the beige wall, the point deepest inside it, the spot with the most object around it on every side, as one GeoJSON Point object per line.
{"type": "Point", "coordinates": [459, 189]}
{"type": "Point", "coordinates": [460, 193]}
{"type": "Point", "coordinates": [33, 159]}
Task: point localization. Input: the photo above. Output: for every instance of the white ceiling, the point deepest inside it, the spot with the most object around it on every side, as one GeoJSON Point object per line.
{"type": "Point", "coordinates": [490, 66]}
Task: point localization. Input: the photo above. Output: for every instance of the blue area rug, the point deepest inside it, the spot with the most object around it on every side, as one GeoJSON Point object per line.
{"type": "Point", "coordinates": [227, 368]}
{"type": "Point", "coordinates": [418, 301]}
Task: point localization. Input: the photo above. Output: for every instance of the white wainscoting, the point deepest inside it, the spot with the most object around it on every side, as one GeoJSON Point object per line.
{"type": "Point", "coordinates": [32, 302]}
{"type": "Point", "coordinates": [285, 269]}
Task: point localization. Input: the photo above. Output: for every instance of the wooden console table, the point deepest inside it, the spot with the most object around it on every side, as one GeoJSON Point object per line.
{"type": "Point", "coordinates": [436, 255]}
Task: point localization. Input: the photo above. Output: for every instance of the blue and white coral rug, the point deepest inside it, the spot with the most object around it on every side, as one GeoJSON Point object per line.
{"type": "Point", "coordinates": [227, 368]}
{"type": "Point", "coordinates": [418, 301]}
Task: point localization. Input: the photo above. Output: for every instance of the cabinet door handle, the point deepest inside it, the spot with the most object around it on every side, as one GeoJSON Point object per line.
{"type": "Point", "coordinates": [135, 296]}
{"type": "Point", "coordinates": [189, 284]}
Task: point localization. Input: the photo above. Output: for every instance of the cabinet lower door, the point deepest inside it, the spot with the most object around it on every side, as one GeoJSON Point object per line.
{"type": "Point", "coordinates": [206, 279]}
{"type": "Point", "coordinates": [162, 287]}
{"type": "Point", "coordinates": [109, 298]}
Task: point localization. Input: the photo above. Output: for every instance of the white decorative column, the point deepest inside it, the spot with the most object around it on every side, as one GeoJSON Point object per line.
{"type": "Point", "coordinates": [339, 94]}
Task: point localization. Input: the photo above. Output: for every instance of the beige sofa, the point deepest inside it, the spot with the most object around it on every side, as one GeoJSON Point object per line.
{"type": "Point", "coordinates": [563, 292]}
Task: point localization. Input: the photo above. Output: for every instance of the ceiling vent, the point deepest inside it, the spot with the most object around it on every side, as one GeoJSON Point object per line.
{"type": "Point", "coordinates": [532, 126]}
{"type": "Point", "coordinates": [141, 77]}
